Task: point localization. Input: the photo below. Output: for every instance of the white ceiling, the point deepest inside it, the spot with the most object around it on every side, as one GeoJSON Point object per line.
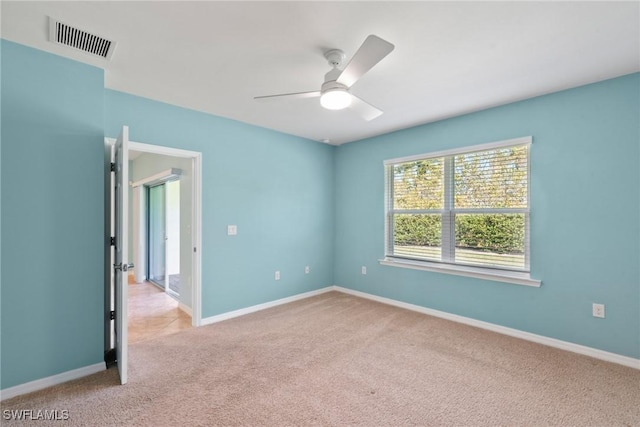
{"type": "Point", "coordinates": [450, 58]}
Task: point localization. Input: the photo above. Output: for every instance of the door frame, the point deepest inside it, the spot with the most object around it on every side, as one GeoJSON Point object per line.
{"type": "Point", "coordinates": [196, 217]}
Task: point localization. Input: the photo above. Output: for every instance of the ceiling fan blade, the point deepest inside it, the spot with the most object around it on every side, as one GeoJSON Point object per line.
{"type": "Point", "coordinates": [297, 95]}
{"type": "Point", "coordinates": [364, 109]}
{"type": "Point", "coordinates": [372, 51]}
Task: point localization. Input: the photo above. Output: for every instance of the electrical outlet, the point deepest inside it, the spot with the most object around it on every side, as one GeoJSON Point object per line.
{"type": "Point", "coordinates": [277, 275]}
{"type": "Point", "coordinates": [232, 230]}
{"type": "Point", "coordinates": [364, 270]}
{"type": "Point", "coordinates": [307, 270]}
{"type": "Point", "coordinates": [598, 310]}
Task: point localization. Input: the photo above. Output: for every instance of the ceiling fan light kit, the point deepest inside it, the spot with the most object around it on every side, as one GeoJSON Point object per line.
{"type": "Point", "coordinates": [334, 93]}
{"type": "Point", "coordinates": [335, 99]}
{"type": "Point", "coordinates": [334, 96]}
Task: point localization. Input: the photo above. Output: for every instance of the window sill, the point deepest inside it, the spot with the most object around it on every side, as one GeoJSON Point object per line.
{"type": "Point", "coordinates": [477, 272]}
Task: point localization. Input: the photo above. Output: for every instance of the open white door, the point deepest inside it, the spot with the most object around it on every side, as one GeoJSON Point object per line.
{"type": "Point", "coordinates": [121, 265]}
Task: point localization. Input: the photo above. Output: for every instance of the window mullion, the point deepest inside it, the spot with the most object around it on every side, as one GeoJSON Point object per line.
{"type": "Point", "coordinates": [448, 232]}
{"type": "Point", "coordinates": [417, 211]}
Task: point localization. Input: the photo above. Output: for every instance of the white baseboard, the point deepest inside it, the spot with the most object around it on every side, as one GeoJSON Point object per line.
{"type": "Point", "coordinates": [254, 308]}
{"type": "Point", "coordinates": [540, 339]}
{"type": "Point", "coordinates": [36, 385]}
{"type": "Point", "coordinates": [92, 369]}
{"type": "Point", "coordinates": [185, 308]}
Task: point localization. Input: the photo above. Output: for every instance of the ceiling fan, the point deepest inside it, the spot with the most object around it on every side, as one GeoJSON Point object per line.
{"type": "Point", "coordinates": [334, 93]}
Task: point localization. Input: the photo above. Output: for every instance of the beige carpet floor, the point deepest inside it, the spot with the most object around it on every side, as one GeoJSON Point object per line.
{"type": "Point", "coordinates": [336, 359]}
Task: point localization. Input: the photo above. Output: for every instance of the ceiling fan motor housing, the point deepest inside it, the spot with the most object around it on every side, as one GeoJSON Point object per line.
{"type": "Point", "coordinates": [330, 85]}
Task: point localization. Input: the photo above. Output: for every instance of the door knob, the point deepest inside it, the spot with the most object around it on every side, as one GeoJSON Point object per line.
{"type": "Point", "coordinates": [123, 267]}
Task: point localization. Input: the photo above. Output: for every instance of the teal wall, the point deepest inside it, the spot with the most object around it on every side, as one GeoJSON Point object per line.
{"type": "Point", "coordinates": [585, 219]}
{"type": "Point", "coordinates": [52, 215]}
{"type": "Point", "coordinates": [297, 202]}
{"type": "Point", "coordinates": [277, 188]}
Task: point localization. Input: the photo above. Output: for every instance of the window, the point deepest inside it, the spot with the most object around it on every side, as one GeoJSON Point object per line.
{"type": "Point", "coordinates": [467, 207]}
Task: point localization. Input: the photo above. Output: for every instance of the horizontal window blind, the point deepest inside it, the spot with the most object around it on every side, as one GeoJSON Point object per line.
{"type": "Point", "coordinates": [468, 208]}
{"type": "Point", "coordinates": [419, 185]}
{"type": "Point", "coordinates": [492, 179]}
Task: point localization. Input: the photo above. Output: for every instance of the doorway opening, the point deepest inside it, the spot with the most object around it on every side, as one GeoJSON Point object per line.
{"type": "Point", "coordinates": [160, 288]}
{"type": "Point", "coordinates": [127, 203]}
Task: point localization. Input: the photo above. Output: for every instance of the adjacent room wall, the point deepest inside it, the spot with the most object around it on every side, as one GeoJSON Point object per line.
{"type": "Point", "coordinates": [52, 215]}
{"type": "Point", "coordinates": [585, 219]}
{"type": "Point", "coordinates": [277, 189]}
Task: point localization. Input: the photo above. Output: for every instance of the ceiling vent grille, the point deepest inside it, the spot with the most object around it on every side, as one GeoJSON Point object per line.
{"type": "Point", "coordinates": [69, 36]}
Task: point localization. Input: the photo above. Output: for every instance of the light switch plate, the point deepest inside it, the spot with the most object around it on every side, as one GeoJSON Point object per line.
{"type": "Point", "coordinates": [232, 230]}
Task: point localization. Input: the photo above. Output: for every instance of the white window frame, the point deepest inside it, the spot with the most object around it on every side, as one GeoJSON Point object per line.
{"type": "Point", "coordinates": [447, 263]}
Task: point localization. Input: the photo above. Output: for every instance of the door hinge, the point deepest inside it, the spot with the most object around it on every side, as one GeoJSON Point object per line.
{"type": "Point", "coordinates": [113, 167]}
{"type": "Point", "coordinates": [112, 241]}
{"type": "Point", "coordinates": [112, 315]}
{"type": "Point", "coordinates": [110, 357]}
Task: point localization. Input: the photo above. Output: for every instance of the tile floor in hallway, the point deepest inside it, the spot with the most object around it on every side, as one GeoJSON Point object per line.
{"type": "Point", "coordinates": [153, 313]}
